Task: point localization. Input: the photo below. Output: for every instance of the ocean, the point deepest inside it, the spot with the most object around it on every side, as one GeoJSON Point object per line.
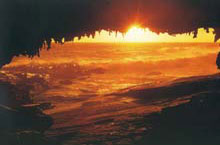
{"type": "Point", "coordinates": [78, 69]}
{"type": "Point", "coordinates": [81, 80]}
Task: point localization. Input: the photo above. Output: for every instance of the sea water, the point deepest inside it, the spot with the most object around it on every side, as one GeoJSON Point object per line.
{"type": "Point", "coordinates": [82, 82]}
{"type": "Point", "coordinates": [76, 69]}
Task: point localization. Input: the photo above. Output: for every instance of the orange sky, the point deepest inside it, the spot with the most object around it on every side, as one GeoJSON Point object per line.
{"type": "Point", "coordinates": [137, 34]}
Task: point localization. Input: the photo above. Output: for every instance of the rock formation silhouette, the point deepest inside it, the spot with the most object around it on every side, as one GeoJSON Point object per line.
{"type": "Point", "coordinates": [28, 25]}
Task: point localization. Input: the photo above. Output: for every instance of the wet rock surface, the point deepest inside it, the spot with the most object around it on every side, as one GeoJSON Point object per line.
{"type": "Point", "coordinates": [22, 123]}
{"type": "Point", "coordinates": [196, 122]}
{"type": "Point", "coordinates": [185, 111]}
{"type": "Point", "coordinates": [189, 117]}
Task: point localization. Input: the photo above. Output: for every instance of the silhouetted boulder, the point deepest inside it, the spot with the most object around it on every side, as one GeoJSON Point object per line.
{"type": "Point", "coordinates": [218, 60]}
{"type": "Point", "coordinates": [17, 111]}
{"type": "Point", "coordinates": [23, 119]}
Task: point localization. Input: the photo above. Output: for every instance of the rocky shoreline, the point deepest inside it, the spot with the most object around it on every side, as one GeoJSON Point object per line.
{"type": "Point", "coordinates": [195, 121]}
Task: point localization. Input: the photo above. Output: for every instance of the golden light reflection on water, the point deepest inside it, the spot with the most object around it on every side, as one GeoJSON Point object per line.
{"type": "Point", "coordinates": [88, 69]}
{"type": "Point", "coordinates": [101, 53]}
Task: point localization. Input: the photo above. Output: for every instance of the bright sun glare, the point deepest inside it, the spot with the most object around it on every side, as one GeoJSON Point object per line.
{"type": "Point", "coordinates": [138, 34]}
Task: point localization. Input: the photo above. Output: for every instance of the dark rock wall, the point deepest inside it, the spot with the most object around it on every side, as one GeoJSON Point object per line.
{"type": "Point", "coordinates": [27, 25]}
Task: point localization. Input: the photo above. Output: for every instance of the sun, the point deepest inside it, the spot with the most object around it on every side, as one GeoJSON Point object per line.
{"type": "Point", "coordinates": [134, 34]}
{"type": "Point", "coordinates": [138, 34]}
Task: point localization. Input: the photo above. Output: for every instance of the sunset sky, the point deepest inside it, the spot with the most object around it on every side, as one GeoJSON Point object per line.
{"type": "Point", "coordinates": [138, 34]}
